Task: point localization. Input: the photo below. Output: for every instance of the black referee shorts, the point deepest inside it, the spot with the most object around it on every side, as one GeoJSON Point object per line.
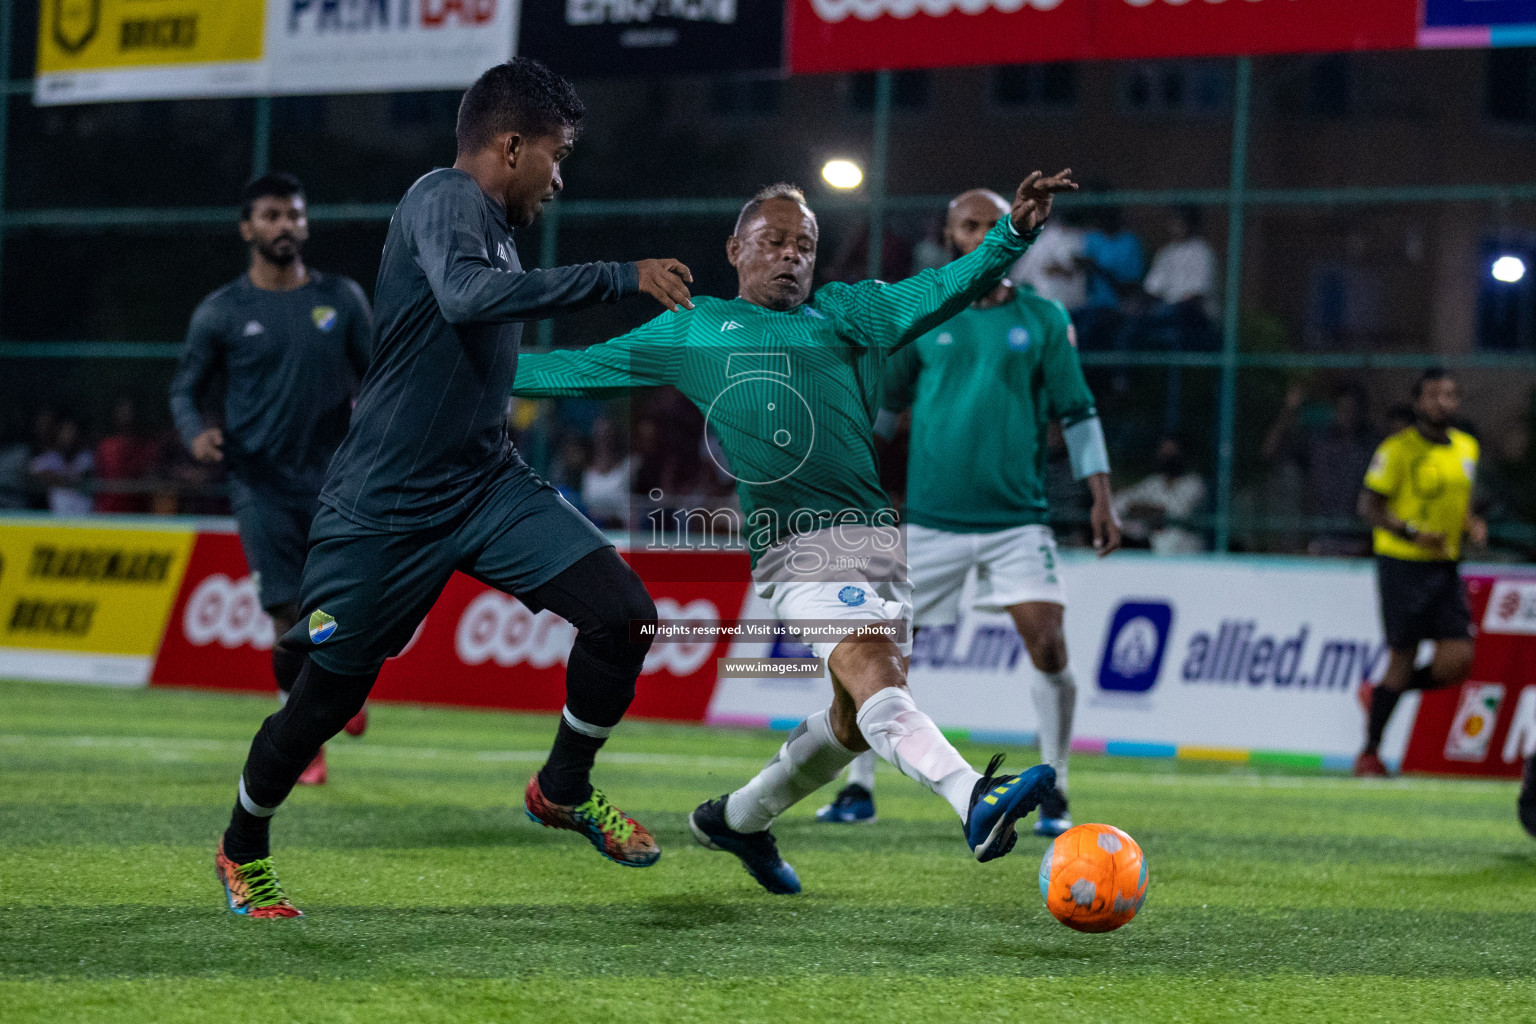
{"type": "Point", "coordinates": [1422, 601]}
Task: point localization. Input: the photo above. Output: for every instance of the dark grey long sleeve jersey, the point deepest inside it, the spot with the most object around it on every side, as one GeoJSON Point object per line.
{"type": "Point", "coordinates": [278, 372]}
{"type": "Point", "coordinates": [451, 298]}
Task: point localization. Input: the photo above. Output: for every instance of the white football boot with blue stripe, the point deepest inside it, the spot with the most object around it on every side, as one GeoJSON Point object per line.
{"type": "Point", "coordinates": [998, 802]}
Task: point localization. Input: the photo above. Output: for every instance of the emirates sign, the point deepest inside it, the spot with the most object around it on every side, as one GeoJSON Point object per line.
{"type": "Point", "coordinates": [866, 35]}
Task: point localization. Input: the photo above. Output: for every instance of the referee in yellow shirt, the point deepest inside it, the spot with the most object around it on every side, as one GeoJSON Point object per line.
{"type": "Point", "coordinates": [1418, 497]}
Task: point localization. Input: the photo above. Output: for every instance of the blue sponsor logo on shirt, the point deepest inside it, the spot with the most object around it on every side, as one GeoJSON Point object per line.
{"type": "Point", "coordinates": [1018, 339]}
{"type": "Point", "coordinates": [1134, 646]}
{"type": "Point", "coordinates": [851, 596]}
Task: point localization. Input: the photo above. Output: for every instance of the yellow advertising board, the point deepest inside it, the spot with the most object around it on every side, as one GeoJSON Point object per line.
{"type": "Point", "coordinates": [92, 35]}
{"type": "Point", "coordinates": [122, 49]}
{"type": "Point", "coordinates": [85, 602]}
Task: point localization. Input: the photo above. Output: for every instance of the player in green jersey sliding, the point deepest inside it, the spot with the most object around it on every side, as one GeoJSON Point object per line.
{"type": "Point", "coordinates": [983, 388]}
{"type": "Point", "coordinates": [790, 385]}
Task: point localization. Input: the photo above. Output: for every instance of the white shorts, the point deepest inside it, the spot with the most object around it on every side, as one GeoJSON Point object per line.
{"type": "Point", "coordinates": [832, 604]}
{"type": "Point", "coordinates": [1012, 566]}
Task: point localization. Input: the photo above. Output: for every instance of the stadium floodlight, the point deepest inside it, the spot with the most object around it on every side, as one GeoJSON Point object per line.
{"type": "Point", "coordinates": [1508, 269]}
{"type": "Point", "coordinates": [843, 174]}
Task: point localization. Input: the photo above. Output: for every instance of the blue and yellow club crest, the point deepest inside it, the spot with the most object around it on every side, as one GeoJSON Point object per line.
{"type": "Point", "coordinates": [321, 626]}
{"type": "Point", "coordinates": [324, 317]}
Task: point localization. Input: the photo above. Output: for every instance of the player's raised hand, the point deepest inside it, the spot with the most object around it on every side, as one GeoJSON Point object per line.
{"type": "Point", "coordinates": [667, 282]}
{"type": "Point", "coordinates": [1032, 200]}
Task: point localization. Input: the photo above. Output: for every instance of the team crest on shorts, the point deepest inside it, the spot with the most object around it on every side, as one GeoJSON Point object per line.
{"type": "Point", "coordinates": [324, 317]}
{"type": "Point", "coordinates": [321, 626]}
{"type": "Point", "coordinates": [851, 596]}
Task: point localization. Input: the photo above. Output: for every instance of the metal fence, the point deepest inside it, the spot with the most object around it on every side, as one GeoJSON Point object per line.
{"type": "Point", "coordinates": [1237, 198]}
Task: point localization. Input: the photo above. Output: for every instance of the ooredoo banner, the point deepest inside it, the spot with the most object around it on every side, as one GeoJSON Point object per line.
{"type": "Point", "coordinates": [99, 50]}
{"type": "Point", "coordinates": [477, 647]}
{"type": "Point", "coordinates": [863, 35]}
{"type": "Point", "coordinates": [86, 603]}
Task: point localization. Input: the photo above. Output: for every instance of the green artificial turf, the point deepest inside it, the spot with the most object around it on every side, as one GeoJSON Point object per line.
{"type": "Point", "coordinates": [1274, 894]}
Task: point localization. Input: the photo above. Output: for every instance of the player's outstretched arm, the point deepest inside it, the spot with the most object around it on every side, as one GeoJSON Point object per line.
{"type": "Point", "coordinates": [889, 315]}
{"type": "Point", "coordinates": [648, 356]}
{"type": "Point", "coordinates": [448, 230]}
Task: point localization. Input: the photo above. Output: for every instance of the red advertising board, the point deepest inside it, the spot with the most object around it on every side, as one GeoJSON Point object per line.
{"type": "Point", "coordinates": [866, 35]}
{"type": "Point", "coordinates": [477, 647]}
{"type": "Point", "coordinates": [1488, 725]}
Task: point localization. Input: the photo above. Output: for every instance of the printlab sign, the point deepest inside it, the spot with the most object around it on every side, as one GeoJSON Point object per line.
{"type": "Point", "coordinates": [640, 37]}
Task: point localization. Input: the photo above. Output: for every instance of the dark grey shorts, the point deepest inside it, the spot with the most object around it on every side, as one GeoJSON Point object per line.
{"type": "Point", "coordinates": [366, 590]}
{"type": "Point", "coordinates": [274, 533]}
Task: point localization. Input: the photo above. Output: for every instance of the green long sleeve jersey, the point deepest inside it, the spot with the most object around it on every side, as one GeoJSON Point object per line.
{"type": "Point", "coordinates": [983, 388]}
{"type": "Point", "coordinates": [790, 395]}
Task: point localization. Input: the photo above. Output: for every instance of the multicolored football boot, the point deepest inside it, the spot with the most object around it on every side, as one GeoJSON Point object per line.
{"type": "Point", "coordinates": [616, 836]}
{"type": "Point", "coordinates": [252, 889]}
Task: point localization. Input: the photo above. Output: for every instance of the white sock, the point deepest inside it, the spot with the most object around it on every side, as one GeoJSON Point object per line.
{"type": "Point", "coordinates": [908, 739]}
{"type": "Point", "coordinates": [862, 771]}
{"type": "Point", "coordinates": [808, 760]}
{"type": "Point", "coordinates": [1055, 697]}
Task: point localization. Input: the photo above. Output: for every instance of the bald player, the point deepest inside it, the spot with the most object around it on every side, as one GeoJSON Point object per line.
{"type": "Point", "coordinates": [790, 383]}
{"type": "Point", "coordinates": [988, 383]}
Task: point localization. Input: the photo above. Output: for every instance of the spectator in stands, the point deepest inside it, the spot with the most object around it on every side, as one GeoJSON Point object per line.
{"type": "Point", "coordinates": [1506, 488]}
{"type": "Point", "coordinates": [63, 470]}
{"type": "Point", "coordinates": [1113, 262]}
{"type": "Point", "coordinates": [605, 482]}
{"type": "Point", "coordinates": [15, 453]}
{"type": "Point", "coordinates": [124, 456]}
{"type": "Point", "coordinates": [1182, 287]}
{"type": "Point", "coordinates": [1333, 455]}
{"type": "Point", "coordinates": [1158, 509]}
{"type": "Point", "coordinates": [1053, 266]}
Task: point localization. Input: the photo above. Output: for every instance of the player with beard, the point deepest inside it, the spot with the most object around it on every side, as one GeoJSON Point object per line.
{"type": "Point", "coordinates": [1418, 498]}
{"type": "Point", "coordinates": [265, 385]}
{"type": "Point", "coordinates": [988, 383]}
{"type": "Point", "coordinates": [790, 383]}
{"type": "Point", "coordinates": [427, 481]}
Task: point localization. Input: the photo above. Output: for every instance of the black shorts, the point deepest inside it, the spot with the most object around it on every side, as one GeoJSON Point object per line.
{"type": "Point", "coordinates": [366, 590]}
{"type": "Point", "coordinates": [274, 533]}
{"type": "Point", "coordinates": [1422, 601]}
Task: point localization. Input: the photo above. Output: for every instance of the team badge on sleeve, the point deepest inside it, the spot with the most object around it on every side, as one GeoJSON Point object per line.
{"type": "Point", "coordinates": [321, 626]}
{"type": "Point", "coordinates": [324, 317]}
{"type": "Point", "coordinates": [851, 596]}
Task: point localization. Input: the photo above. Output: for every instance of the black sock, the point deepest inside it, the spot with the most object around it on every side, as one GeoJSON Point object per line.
{"type": "Point", "coordinates": [1383, 703]}
{"type": "Point", "coordinates": [1423, 678]}
{"type": "Point", "coordinates": [286, 666]}
{"type": "Point", "coordinates": [566, 776]}
{"type": "Point", "coordinates": [248, 836]}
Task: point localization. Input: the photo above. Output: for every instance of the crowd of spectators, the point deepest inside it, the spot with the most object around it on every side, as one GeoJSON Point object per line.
{"type": "Point", "coordinates": [646, 463]}
{"type": "Point", "coordinates": [57, 462]}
